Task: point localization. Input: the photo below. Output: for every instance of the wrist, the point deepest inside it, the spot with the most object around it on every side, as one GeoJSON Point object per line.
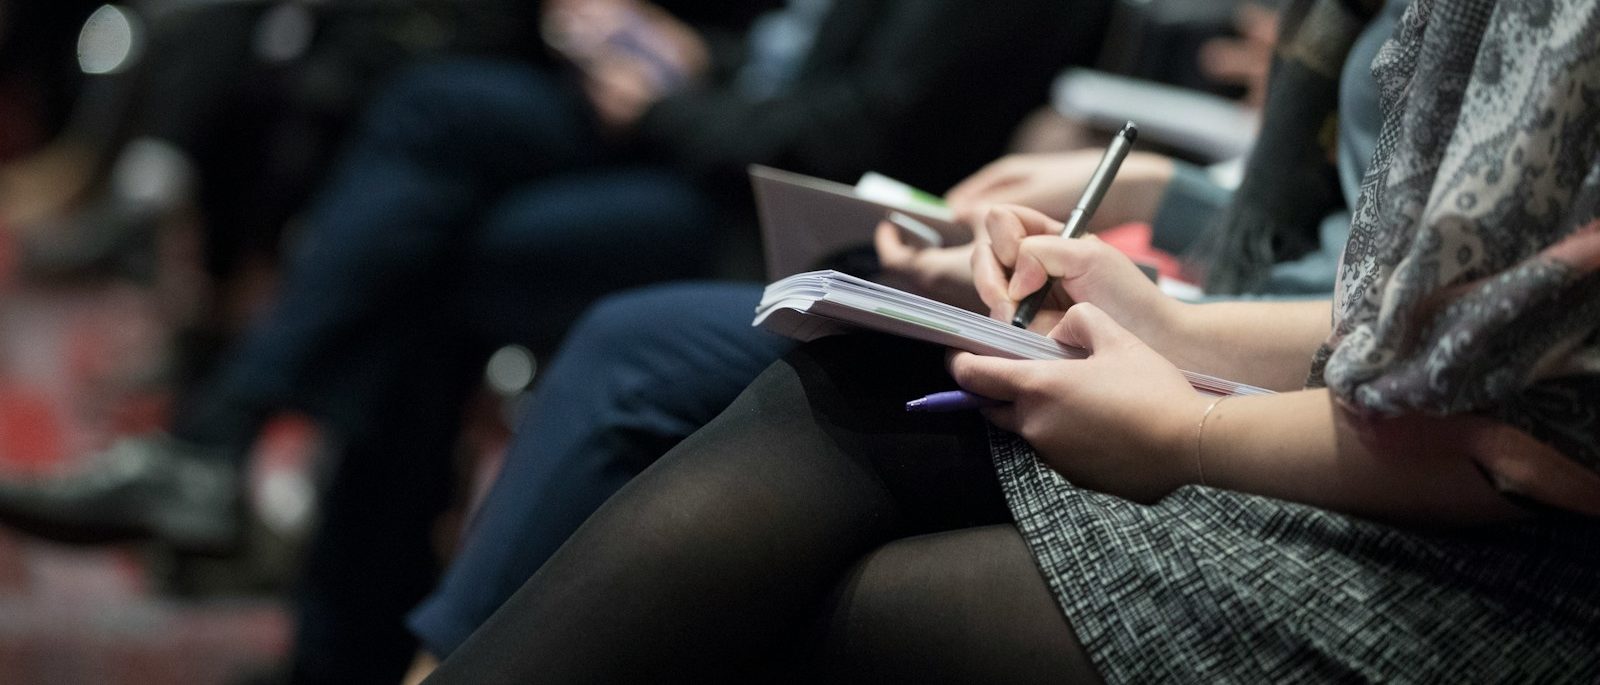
{"type": "Point", "coordinates": [1184, 440]}
{"type": "Point", "coordinates": [1212, 411]}
{"type": "Point", "coordinates": [1172, 329]}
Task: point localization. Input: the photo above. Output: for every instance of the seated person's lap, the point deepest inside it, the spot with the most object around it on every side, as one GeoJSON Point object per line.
{"type": "Point", "coordinates": [639, 372]}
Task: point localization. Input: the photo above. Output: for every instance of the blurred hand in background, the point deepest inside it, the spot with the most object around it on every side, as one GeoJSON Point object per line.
{"type": "Point", "coordinates": [1245, 60]}
{"type": "Point", "coordinates": [631, 53]}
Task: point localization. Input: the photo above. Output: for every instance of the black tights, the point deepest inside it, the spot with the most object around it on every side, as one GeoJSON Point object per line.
{"type": "Point", "coordinates": [813, 531]}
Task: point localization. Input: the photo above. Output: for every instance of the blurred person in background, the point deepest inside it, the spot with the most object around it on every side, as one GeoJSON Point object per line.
{"type": "Point", "coordinates": [200, 130]}
{"type": "Point", "coordinates": [38, 76]}
{"type": "Point", "coordinates": [39, 81]}
{"type": "Point", "coordinates": [484, 201]}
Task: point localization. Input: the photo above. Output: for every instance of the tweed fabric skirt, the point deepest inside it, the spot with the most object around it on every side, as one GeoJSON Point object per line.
{"type": "Point", "coordinates": [1211, 586]}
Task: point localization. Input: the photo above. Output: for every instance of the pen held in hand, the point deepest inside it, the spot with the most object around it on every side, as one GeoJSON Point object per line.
{"type": "Point", "coordinates": [951, 400]}
{"type": "Point", "coordinates": [1078, 220]}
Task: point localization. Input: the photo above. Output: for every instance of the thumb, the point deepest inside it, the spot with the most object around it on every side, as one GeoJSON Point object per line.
{"type": "Point", "coordinates": [1092, 329]}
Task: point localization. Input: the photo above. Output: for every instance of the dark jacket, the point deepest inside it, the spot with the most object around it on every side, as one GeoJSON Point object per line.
{"type": "Point", "coordinates": [923, 90]}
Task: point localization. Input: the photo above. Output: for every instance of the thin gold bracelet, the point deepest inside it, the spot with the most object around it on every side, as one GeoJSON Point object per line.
{"type": "Point", "coordinates": [1200, 436]}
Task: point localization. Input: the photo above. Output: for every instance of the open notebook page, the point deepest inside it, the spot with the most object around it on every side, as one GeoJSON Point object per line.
{"type": "Point", "coordinates": [814, 304]}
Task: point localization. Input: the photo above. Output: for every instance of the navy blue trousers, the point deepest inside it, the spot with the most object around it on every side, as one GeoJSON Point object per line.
{"type": "Point", "coordinates": [475, 206]}
{"type": "Point", "coordinates": [640, 372]}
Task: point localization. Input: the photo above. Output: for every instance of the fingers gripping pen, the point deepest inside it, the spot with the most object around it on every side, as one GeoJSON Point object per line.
{"type": "Point", "coordinates": [1078, 220]}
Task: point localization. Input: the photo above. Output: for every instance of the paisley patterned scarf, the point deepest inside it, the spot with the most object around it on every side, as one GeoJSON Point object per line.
{"type": "Point", "coordinates": [1471, 282]}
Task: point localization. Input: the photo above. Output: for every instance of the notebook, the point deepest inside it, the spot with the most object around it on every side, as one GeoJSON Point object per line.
{"type": "Point", "coordinates": [806, 220]}
{"type": "Point", "coordinates": [816, 304]}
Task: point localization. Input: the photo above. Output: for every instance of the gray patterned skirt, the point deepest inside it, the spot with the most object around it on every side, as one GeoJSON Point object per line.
{"type": "Point", "coordinates": [1216, 586]}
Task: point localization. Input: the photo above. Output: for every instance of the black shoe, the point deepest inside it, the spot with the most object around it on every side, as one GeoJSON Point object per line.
{"type": "Point", "coordinates": [144, 488]}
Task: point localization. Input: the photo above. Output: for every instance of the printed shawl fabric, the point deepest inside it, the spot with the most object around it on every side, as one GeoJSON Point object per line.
{"type": "Point", "coordinates": [1471, 282]}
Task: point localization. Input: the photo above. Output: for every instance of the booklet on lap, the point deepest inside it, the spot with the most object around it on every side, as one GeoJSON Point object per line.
{"type": "Point", "coordinates": [815, 304]}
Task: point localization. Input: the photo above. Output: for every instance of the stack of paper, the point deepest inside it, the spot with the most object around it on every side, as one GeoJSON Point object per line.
{"type": "Point", "coordinates": [811, 305]}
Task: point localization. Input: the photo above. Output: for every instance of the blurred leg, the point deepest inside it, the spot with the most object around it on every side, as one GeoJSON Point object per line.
{"type": "Point", "coordinates": [440, 142]}
{"type": "Point", "coordinates": [372, 561]}
{"type": "Point", "coordinates": [548, 249]}
{"type": "Point", "coordinates": [638, 374]}
{"type": "Point", "coordinates": [397, 410]}
{"type": "Point", "coordinates": [713, 561]}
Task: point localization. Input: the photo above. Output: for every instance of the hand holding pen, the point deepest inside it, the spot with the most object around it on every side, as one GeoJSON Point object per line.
{"type": "Point", "coordinates": [1017, 247]}
{"type": "Point", "coordinates": [1001, 253]}
{"type": "Point", "coordinates": [1078, 220]}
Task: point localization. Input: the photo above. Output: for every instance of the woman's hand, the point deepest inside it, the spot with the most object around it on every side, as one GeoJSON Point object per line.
{"type": "Point", "coordinates": [1017, 249]}
{"type": "Point", "coordinates": [1052, 182]}
{"type": "Point", "coordinates": [941, 273]}
{"type": "Point", "coordinates": [1121, 421]}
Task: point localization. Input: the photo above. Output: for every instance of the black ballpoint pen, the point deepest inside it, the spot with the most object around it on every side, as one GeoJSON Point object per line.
{"type": "Point", "coordinates": [1079, 219]}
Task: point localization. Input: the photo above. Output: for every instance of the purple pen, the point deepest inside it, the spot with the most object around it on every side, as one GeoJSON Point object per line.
{"type": "Point", "coordinates": [951, 400]}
